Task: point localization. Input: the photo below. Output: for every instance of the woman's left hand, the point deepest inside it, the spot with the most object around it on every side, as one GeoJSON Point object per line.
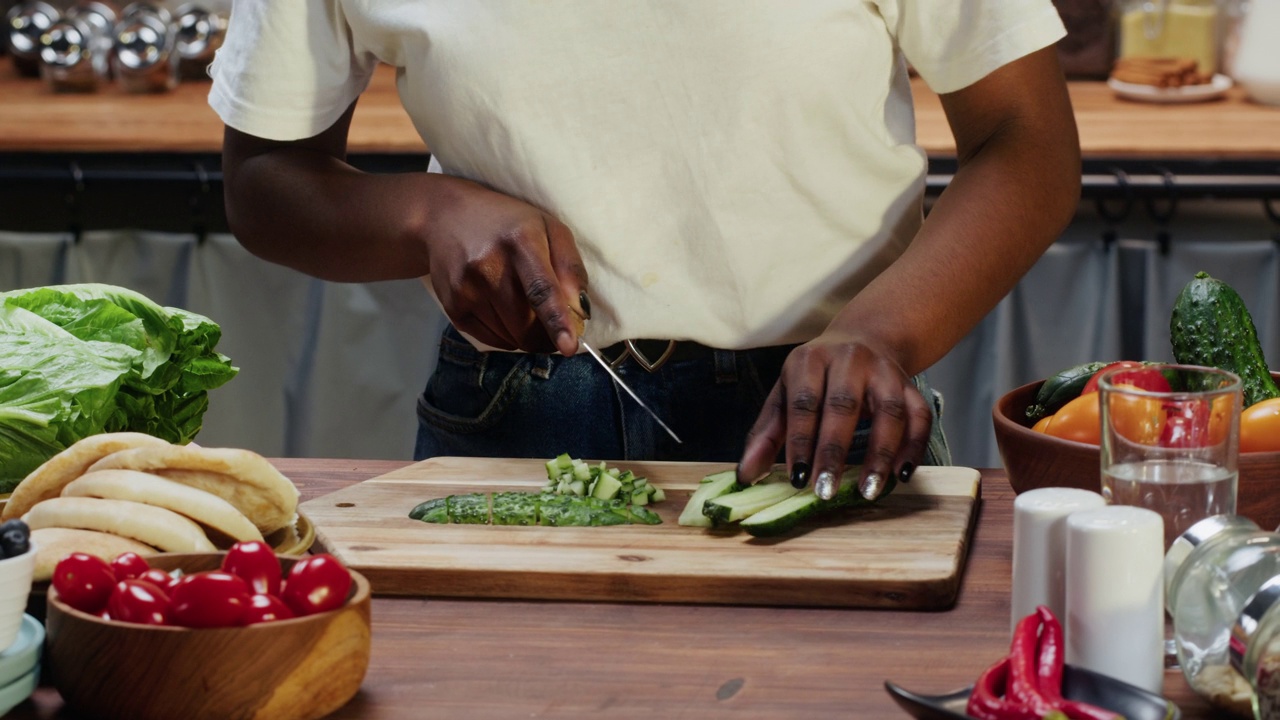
{"type": "Point", "coordinates": [827, 385]}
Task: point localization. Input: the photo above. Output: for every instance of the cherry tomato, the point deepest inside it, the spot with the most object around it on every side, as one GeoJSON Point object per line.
{"type": "Point", "coordinates": [209, 599]}
{"type": "Point", "coordinates": [1260, 427]}
{"type": "Point", "coordinates": [316, 584]}
{"type": "Point", "coordinates": [129, 565]}
{"type": "Point", "coordinates": [1078, 420]}
{"type": "Point", "coordinates": [265, 608]}
{"type": "Point", "coordinates": [139, 601]}
{"type": "Point", "coordinates": [1138, 375]}
{"type": "Point", "coordinates": [1137, 419]}
{"type": "Point", "coordinates": [84, 582]}
{"type": "Point", "coordinates": [257, 564]}
{"type": "Point", "coordinates": [159, 578]}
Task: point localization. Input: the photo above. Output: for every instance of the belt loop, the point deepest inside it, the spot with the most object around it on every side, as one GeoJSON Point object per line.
{"type": "Point", "coordinates": [542, 365]}
{"type": "Point", "coordinates": [726, 362]}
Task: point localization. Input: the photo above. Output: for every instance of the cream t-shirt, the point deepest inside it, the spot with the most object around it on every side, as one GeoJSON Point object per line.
{"type": "Point", "coordinates": [734, 171]}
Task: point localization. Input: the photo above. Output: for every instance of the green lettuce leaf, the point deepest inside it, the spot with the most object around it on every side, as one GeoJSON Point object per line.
{"type": "Point", "coordinates": [78, 360]}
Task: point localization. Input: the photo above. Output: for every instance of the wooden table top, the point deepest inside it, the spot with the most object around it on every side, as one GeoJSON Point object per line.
{"type": "Point", "coordinates": [504, 659]}
{"type": "Point", "coordinates": [34, 120]}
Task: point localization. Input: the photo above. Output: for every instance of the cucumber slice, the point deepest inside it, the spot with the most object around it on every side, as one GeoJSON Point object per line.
{"type": "Point", "coordinates": [745, 503]}
{"type": "Point", "coordinates": [435, 510]}
{"type": "Point", "coordinates": [720, 476]}
{"type": "Point", "coordinates": [577, 487]}
{"type": "Point", "coordinates": [643, 515]}
{"type": "Point", "coordinates": [713, 486]}
{"type": "Point", "coordinates": [639, 497]}
{"type": "Point", "coordinates": [515, 508]}
{"type": "Point", "coordinates": [581, 471]}
{"type": "Point", "coordinates": [469, 509]}
{"type": "Point", "coordinates": [656, 494]}
{"type": "Point", "coordinates": [783, 516]}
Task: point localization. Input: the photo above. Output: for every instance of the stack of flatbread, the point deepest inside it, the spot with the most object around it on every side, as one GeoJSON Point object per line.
{"type": "Point", "coordinates": [127, 492]}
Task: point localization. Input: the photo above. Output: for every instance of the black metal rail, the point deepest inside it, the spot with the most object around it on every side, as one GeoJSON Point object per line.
{"type": "Point", "coordinates": [50, 192]}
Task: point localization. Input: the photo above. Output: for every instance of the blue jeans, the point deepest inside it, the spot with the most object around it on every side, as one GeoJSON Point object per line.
{"type": "Point", "coordinates": [500, 404]}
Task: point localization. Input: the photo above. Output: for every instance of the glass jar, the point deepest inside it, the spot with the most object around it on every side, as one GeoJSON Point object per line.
{"type": "Point", "coordinates": [1172, 28]}
{"type": "Point", "coordinates": [1212, 571]}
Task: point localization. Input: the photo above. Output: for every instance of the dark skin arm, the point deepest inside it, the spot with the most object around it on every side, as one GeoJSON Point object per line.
{"type": "Point", "coordinates": [1016, 188]}
{"type": "Point", "coordinates": [506, 272]}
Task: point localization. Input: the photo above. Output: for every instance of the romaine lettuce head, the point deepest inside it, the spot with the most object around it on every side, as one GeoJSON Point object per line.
{"type": "Point", "coordinates": [78, 360]}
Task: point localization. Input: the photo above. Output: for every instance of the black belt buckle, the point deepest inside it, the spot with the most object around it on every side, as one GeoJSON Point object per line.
{"type": "Point", "coordinates": [631, 349]}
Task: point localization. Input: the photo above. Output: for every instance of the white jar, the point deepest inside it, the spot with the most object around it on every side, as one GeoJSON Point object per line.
{"type": "Point", "coordinates": [1257, 59]}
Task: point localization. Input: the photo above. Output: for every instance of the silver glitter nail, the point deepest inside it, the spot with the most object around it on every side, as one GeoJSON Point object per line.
{"type": "Point", "coordinates": [825, 485]}
{"type": "Point", "coordinates": [871, 486]}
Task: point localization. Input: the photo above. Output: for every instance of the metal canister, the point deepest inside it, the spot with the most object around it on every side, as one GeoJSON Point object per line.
{"type": "Point", "coordinates": [200, 31]}
{"type": "Point", "coordinates": [24, 24]}
{"type": "Point", "coordinates": [143, 56]}
{"type": "Point", "coordinates": [75, 51]}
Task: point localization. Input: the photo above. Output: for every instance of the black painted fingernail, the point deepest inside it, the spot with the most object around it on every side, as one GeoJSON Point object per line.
{"type": "Point", "coordinates": [585, 302]}
{"type": "Point", "coordinates": [799, 474]}
{"type": "Point", "coordinates": [904, 475]}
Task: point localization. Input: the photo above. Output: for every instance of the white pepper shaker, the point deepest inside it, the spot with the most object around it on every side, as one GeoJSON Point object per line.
{"type": "Point", "coordinates": [1115, 594]}
{"type": "Point", "coordinates": [1040, 545]}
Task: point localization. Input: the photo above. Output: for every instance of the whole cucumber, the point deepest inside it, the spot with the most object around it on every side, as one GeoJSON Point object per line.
{"type": "Point", "coordinates": [1062, 387]}
{"type": "Point", "coordinates": [1211, 326]}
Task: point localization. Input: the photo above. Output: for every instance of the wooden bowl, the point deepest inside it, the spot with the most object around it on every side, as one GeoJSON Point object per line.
{"type": "Point", "coordinates": [295, 669]}
{"type": "Point", "coordinates": [1034, 460]}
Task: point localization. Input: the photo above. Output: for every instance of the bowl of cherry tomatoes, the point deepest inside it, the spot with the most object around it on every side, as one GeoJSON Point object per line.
{"type": "Point", "coordinates": [244, 633]}
{"type": "Point", "coordinates": [1071, 457]}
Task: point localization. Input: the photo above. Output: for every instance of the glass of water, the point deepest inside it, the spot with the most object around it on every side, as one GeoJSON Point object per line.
{"type": "Point", "coordinates": [1171, 441]}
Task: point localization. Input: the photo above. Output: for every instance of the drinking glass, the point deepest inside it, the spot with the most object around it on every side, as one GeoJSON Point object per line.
{"type": "Point", "coordinates": [1170, 443]}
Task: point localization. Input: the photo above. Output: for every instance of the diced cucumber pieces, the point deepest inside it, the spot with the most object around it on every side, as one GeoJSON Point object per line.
{"type": "Point", "coordinates": [656, 494]}
{"type": "Point", "coordinates": [640, 497]}
{"type": "Point", "coordinates": [578, 487]}
{"type": "Point", "coordinates": [745, 503]}
{"type": "Point", "coordinates": [581, 471]}
{"type": "Point", "coordinates": [607, 487]}
{"type": "Point", "coordinates": [719, 484]}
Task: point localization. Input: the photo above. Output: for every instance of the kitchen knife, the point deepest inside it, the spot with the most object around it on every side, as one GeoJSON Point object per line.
{"type": "Point", "coordinates": [582, 342]}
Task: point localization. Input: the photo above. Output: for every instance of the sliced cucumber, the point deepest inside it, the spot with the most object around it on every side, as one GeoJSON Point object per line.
{"type": "Point", "coordinates": [606, 487]}
{"type": "Point", "coordinates": [713, 486]}
{"type": "Point", "coordinates": [783, 516]}
{"type": "Point", "coordinates": [515, 508]}
{"type": "Point", "coordinates": [745, 503]}
{"type": "Point", "coordinates": [435, 510]}
{"type": "Point", "coordinates": [469, 509]}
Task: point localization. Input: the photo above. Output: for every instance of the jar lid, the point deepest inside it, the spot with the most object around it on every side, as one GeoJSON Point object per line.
{"type": "Point", "coordinates": [25, 23]}
{"type": "Point", "coordinates": [199, 32]}
{"type": "Point", "coordinates": [1246, 625]}
{"type": "Point", "coordinates": [100, 17]}
{"type": "Point", "coordinates": [65, 44]}
{"type": "Point", "coordinates": [1195, 536]}
{"type": "Point", "coordinates": [142, 42]}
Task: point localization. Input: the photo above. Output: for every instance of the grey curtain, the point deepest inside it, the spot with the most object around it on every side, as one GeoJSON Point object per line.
{"type": "Point", "coordinates": [334, 370]}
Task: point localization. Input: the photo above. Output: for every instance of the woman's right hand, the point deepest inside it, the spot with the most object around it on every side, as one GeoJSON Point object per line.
{"type": "Point", "coordinates": [507, 273]}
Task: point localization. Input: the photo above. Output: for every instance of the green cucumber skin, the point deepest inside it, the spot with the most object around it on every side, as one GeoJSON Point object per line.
{"type": "Point", "coordinates": [721, 509]}
{"type": "Point", "coordinates": [515, 508]}
{"type": "Point", "coordinates": [1211, 326]}
{"type": "Point", "coordinates": [846, 497]}
{"type": "Point", "coordinates": [469, 509]}
{"type": "Point", "coordinates": [430, 510]}
{"type": "Point", "coordinates": [1061, 388]}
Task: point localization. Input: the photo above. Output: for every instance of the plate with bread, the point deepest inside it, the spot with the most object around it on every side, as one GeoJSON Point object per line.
{"type": "Point", "coordinates": [1165, 80]}
{"type": "Point", "coordinates": [114, 493]}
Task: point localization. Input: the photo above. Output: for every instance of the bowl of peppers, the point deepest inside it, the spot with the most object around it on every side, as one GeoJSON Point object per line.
{"type": "Point", "coordinates": [242, 633]}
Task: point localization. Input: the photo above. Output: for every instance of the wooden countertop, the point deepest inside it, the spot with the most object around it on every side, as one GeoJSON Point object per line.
{"type": "Point", "coordinates": [504, 659]}
{"type": "Point", "coordinates": [33, 119]}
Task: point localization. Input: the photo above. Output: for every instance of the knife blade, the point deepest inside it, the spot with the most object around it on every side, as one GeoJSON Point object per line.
{"type": "Point", "coordinates": [604, 364]}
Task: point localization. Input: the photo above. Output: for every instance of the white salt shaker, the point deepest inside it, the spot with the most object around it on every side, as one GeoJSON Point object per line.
{"type": "Point", "coordinates": [1040, 546]}
{"type": "Point", "coordinates": [1115, 594]}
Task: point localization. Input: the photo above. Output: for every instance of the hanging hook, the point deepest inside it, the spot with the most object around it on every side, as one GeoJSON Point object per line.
{"type": "Point", "coordinates": [199, 203]}
{"type": "Point", "coordinates": [75, 202]}
{"type": "Point", "coordinates": [1114, 219]}
{"type": "Point", "coordinates": [1163, 218]}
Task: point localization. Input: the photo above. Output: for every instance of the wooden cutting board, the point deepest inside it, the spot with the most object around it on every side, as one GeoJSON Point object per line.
{"type": "Point", "coordinates": [907, 552]}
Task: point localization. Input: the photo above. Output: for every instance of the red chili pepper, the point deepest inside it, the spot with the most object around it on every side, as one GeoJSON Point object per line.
{"type": "Point", "coordinates": [1049, 664]}
{"type": "Point", "coordinates": [986, 701]}
{"type": "Point", "coordinates": [1024, 683]}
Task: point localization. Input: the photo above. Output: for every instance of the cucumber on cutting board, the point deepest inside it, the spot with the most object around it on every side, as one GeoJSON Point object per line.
{"type": "Point", "coordinates": [787, 514]}
{"type": "Point", "coordinates": [745, 503]}
{"type": "Point", "coordinates": [712, 486]}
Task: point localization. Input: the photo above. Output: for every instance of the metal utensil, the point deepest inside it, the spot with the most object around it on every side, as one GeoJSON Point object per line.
{"type": "Point", "coordinates": [586, 304]}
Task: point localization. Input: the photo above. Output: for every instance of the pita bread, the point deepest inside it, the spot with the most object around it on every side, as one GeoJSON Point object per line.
{"type": "Point", "coordinates": [241, 477]}
{"type": "Point", "coordinates": [163, 529]}
{"type": "Point", "coordinates": [207, 509]}
{"type": "Point", "coordinates": [48, 480]}
{"type": "Point", "coordinates": [54, 543]}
